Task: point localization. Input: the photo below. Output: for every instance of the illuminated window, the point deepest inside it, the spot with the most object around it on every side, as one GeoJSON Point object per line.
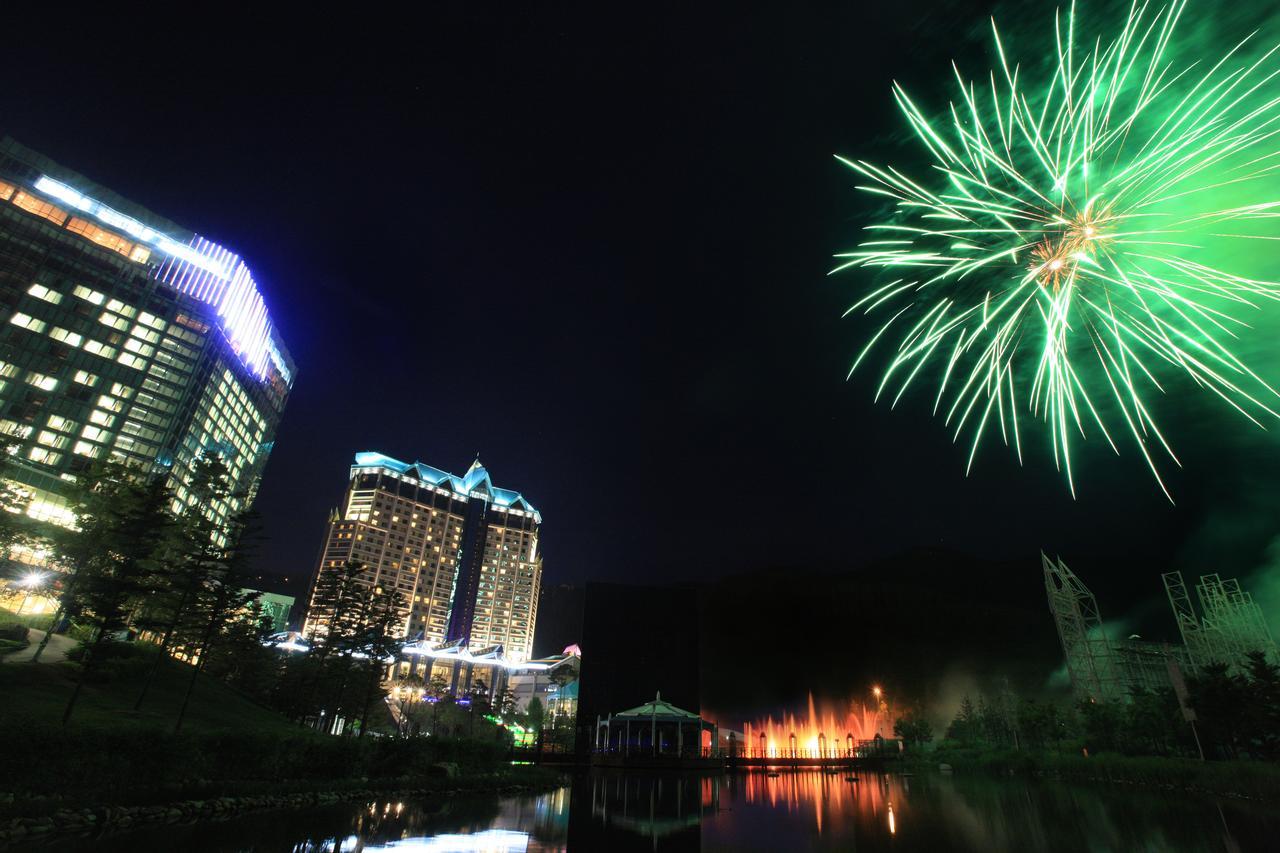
{"type": "Point", "coordinates": [101, 418]}
{"type": "Point", "coordinates": [139, 347]}
{"type": "Point", "coordinates": [84, 377]}
{"type": "Point", "coordinates": [120, 308]}
{"type": "Point", "coordinates": [84, 448]}
{"type": "Point", "coordinates": [52, 439]}
{"type": "Point", "coordinates": [93, 433]}
{"type": "Point", "coordinates": [89, 295]}
{"type": "Point", "coordinates": [133, 361]}
{"type": "Point", "coordinates": [40, 207]}
{"type": "Point", "coordinates": [41, 381]}
{"type": "Point", "coordinates": [141, 254]}
{"type": "Point", "coordinates": [109, 319]}
{"type": "Point", "coordinates": [101, 236]}
{"type": "Point", "coordinates": [118, 390]}
{"type": "Point", "coordinates": [39, 291]}
{"type": "Point", "coordinates": [43, 455]}
{"type": "Point", "coordinates": [27, 322]}
{"type": "Point", "coordinates": [67, 336]}
{"type": "Point", "coordinates": [7, 190]}
{"type": "Point", "coordinates": [99, 348]}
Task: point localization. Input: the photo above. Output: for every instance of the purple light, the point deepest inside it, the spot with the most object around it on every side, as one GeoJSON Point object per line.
{"type": "Point", "coordinates": [242, 312]}
{"type": "Point", "coordinates": [204, 270]}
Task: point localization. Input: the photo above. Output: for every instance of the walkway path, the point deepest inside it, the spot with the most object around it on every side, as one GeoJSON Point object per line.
{"type": "Point", "coordinates": [55, 652]}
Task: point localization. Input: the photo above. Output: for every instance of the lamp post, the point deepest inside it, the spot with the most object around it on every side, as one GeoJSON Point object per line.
{"type": "Point", "coordinates": [30, 582]}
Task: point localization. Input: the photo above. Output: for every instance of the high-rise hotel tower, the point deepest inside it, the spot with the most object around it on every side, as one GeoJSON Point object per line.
{"type": "Point", "coordinates": [462, 553]}
{"type": "Point", "coordinates": [123, 336]}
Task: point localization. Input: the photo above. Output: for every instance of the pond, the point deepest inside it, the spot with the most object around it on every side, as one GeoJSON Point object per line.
{"type": "Point", "coordinates": [753, 811]}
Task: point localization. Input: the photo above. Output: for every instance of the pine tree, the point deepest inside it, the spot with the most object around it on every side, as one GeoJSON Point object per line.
{"type": "Point", "coordinates": [194, 554]}
{"type": "Point", "coordinates": [220, 599]}
{"type": "Point", "coordinates": [380, 638]}
{"type": "Point", "coordinates": [121, 522]}
{"type": "Point", "coordinates": [334, 620]}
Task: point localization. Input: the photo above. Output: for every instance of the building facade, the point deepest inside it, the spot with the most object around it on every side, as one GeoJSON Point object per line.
{"type": "Point", "coordinates": [125, 337]}
{"type": "Point", "coordinates": [274, 607]}
{"type": "Point", "coordinates": [462, 553]}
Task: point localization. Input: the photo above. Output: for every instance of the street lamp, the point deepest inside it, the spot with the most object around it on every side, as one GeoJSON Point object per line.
{"type": "Point", "coordinates": [30, 582]}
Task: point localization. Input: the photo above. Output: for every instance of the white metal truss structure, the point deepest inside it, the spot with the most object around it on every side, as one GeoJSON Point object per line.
{"type": "Point", "coordinates": [1193, 635]}
{"type": "Point", "coordinates": [1232, 625]}
{"type": "Point", "coordinates": [1091, 660]}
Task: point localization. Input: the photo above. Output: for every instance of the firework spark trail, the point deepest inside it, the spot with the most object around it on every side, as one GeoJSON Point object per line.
{"type": "Point", "coordinates": [1053, 262]}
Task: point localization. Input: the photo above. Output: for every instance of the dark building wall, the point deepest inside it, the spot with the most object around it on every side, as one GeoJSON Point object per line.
{"type": "Point", "coordinates": [559, 618]}
{"type": "Point", "coordinates": [637, 640]}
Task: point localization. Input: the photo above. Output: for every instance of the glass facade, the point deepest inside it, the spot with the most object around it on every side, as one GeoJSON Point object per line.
{"type": "Point", "coordinates": [104, 356]}
{"type": "Point", "coordinates": [462, 554]}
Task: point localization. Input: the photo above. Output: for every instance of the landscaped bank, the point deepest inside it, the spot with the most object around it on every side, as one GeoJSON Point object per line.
{"type": "Point", "coordinates": [1254, 780]}
{"type": "Point", "coordinates": [49, 821]}
{"type": "Point", "coordinates": [87, 778]}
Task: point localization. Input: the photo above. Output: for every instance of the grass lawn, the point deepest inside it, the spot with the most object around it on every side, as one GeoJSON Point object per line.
{"type": "Point", "coordinates": [40, 692]}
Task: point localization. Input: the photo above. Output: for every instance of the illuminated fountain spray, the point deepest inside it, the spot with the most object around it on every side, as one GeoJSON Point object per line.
{"type": "Point", "coordinates": [833, 732]}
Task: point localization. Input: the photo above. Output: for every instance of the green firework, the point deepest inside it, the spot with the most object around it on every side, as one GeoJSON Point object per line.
{"type": "Point", "coordinates": [1077, 243]}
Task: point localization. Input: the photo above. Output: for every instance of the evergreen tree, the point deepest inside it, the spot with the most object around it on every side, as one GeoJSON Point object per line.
{"type": "Point", "coordinates": [194, 555]}
{"type": "Point", "coordinates": [15, 527]}
{"type": "Point", "coordinates": [1262, 707]}
{"type": "Point", "coordinates": [333, 620]}
{"type": "Point", "coordinates": [965, 727]}
{"type": "Point", "coordinates": [379, 639]}
{"type": "Point", "coordinates": [534, 716]}
{"type": "Point", "coordinates": [912, 728]}
{"type": "Point", "coordinates": [220, 599]}
{"type": "Point", "coordinates": [121, 522]}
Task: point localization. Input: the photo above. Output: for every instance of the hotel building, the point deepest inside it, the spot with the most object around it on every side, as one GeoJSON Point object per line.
{"type": "Point", "coordinates": [462, 553]}
{"type": "Point", "coordinates": [123, 336]}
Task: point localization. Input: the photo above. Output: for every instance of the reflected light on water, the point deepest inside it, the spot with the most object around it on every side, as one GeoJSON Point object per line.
{"type": "Point", "coordinates": [836, 794]}
{"type": "Point", "coordinates": [488, 841]}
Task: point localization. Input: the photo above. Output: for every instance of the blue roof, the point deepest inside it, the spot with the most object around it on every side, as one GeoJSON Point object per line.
{"type": "Point", "coordinates": [475, 480]}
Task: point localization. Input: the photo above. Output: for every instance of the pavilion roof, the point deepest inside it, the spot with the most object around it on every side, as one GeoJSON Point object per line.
{"type": "Point", "coordinates": [657, 708]}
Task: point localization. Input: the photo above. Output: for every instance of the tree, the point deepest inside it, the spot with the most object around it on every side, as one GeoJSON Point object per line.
{"type": "Point", "coordinates": [15, 527]}
{"type": "Point", "coordinates": [1262, 706]}
{"type": "Point", "coordinates": [1220, 698]}
{"type": "Point", "coordinates": [220, 599]}
{"type": "Point", "coordinates": [379, 638]}
{"type": "Point", "coordinates": [240, 657]}
{"type": "Point", "coordinates": [505, 702]}
{"type": "Point", "coordinates": [194, 555]}
{"type": "Point", "coordinates": [333, 620]}
{"type": "Point", "coordinates": [120, 522]}
{"type": "Point", "coordinates": [437, 686]}
{"type": "Point", "coordinates": [561, 676]}
{"type": "Point", "coordinates": [534, 715]}
{"type": "Point", "coordinates": [1039, 723]}
{"type": "Point", "coordinates": [965, 728]}
{"type": "Point", "coordinates": [1103, 725]}
{"type": "Point", "coordinates": [913, 729]}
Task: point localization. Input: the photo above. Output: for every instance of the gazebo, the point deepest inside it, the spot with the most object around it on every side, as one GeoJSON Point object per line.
{"type": "Point", "coordinates": [656, 728]}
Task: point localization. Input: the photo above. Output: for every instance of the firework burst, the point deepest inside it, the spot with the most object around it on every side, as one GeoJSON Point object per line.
{"type": "Point", "coordinates": [1077, 242]}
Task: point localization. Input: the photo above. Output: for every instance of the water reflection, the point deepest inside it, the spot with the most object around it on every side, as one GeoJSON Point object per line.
{"type": "Point", "coordinates": [530, 824]}
{"type": "Point", "coordinates": [622, 809]}
{"type": "Point", "coordinates": [806, 809]}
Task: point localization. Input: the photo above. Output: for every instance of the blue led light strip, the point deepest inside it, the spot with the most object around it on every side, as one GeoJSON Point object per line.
{"type": "Point", "coordinates": [203, 270]}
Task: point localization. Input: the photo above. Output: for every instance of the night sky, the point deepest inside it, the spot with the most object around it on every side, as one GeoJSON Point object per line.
{"type": "Point", "coordinates": [592, 247]}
